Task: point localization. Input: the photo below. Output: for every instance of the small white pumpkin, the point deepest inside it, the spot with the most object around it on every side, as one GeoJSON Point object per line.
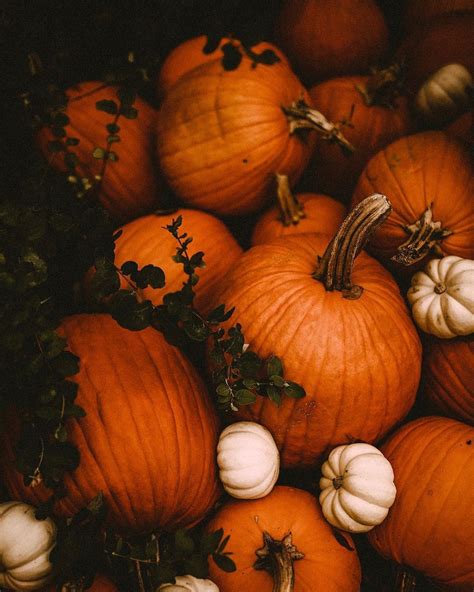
{"type": "Point", "coordinates": [446, 95]}
{"type": "Point", "coordinates": [357, 487]}
{"type": "Point", "coordinates": [25, 545]}
{"type": "Point", "coordinates": [189, 584]}
{"type": "Point", "coordinates": [442, 297]}
{"type": "Point", "coordinates": [248, 459]}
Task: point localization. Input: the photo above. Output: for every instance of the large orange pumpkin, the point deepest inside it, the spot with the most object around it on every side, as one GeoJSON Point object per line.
{"type": "Point", "coordinates": [448, 373]}
{"type": "Point", "coordinates": [358, 359]}
{"type": "Point", "coordinates": [222, 135]}
{"type": "Point", "coordinates": [429, 527]}
{"type": "Point", "coordinates": [372, 127]}
{"type": "Point", "coordinates": [148, 413]}
{"type": "Point", "coordinates": [129, 182]}
{"type": "Point", "coordinates": [327, 38]}
{"type": "Point", "coordinates": [297, 214]}
{"type": "Point", "coordinates": [147, 242]}
{"type": "Point", "coordinates": [429, 178]}
{"type": "Point", "coordinates": [326, 564]}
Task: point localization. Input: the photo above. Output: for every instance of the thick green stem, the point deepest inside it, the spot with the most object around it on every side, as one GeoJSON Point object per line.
{"type": "Point", "coordinates": [291, 210]}
{"type": "Point", "coordinates": [277, 558]}
{"type": "Point", "coordinates": [335, 266]}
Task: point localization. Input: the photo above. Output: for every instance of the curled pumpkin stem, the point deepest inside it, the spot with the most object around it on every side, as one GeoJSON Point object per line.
{"type": "Point", "coordinates": [291, 210]}
{"type": "Point", "coordinates": [384, 86]}
{"type": "Point", "coordinates": [277, 558]}
{"type": "Point", "coordinates": [424, 236]}
{"type": "Point", "coordinates": [301, 116]}
{"type": "Point", "coordinates": [335, 266]}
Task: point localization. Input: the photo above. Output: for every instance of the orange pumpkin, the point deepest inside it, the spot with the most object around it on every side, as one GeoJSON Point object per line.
{"type": "Point", "coordinates": [222, 135]}
{"type": "Point", "coordinates": [129, 185]}
{"type": "Point", "coordinates": [430, 180]}
{"type": "Point", "coordinates": [327, 38]}
{"type": "Point", "coordinates": [448, 373]}
{"type": "Point", "coordinates": [146, 241]}
{"type": "Point", "coordinates": [297, 214]}
{"type": "Point", "coordinates": [416, 12]}
{"type": "Point", "coordinates": [372, 126]}
{"type": "Point", "coordinates": [325, 564]}
{"type": "Point", "coordinates": [359, 359]}
{"type": "Point", "coordinates": [189, 54]}
{"type": "Point", "coordinates": [463, 127]}
{"type": "Point", "coordinates": [148, 413]}
{"type": "Point", "coordinates": [429, 527]}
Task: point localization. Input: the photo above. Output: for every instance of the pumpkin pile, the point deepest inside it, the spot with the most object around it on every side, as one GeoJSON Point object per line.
{"type": "Point", "coordinates": [277, 354]}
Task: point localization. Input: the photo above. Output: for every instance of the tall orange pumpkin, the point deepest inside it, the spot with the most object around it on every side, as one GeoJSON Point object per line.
{"type": "Point", "coordinates": [148, 413]}
{"type": "Point", "coordinates": [129, 185]}
{"type": "Point", "coordinates": [429, 178]}
{"type": "Point", "coordinates": [356, 353]}
{"type": "Point", "coordinates": [222, 135]}
{"type": "Point", "coordinates": [328, 38]}
{"type": "Point", "coordinates": [429, 527]}
{"type": "Point", "coordinates": [448, 376]}
{"type": "Point", "coordinates": [325, 564]}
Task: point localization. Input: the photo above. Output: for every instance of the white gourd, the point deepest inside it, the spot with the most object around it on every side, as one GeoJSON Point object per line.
{"type": "Point", "coordinates": [248, 460]}
{"type": "Point", "coordinates": [189, 584]}
{"type": "Point", "coordinates": [25, 545]}
{"type": "Point", "coordinates": [357, 487]}
{"type": "Point", "coordinates": [442, 297]}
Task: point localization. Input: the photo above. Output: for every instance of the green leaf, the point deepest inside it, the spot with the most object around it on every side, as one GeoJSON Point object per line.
{"type": "Point", "coordinates": [267, 56]}
{"type": "Point", "coordinates": [184, 544]}
{"type": "Point", "coordinates": [70, 160]}
{"type": "Point", "coordinates": [113, 138]}
{"type": "Point", "coordinates": [66, 364]}
{"type": "Point", "coordinates": [107, 105]}
{"type": "Point", "coordinates": [224, 562]}
{"type": "Point", "coordinates": [112, 156]}
{"type": "Point", "coordinates": [277, 381]}
{"type": "Point", "coordinates": [112, 128]}
{"type": "Point", "coordinates": [274, 395]}
{"type": "Point", "coordinates": [98, 153]}
{"type": "Point", "coordinates": [249, 364]}
{"type": "Point", "coordinates": [294, 390]}
{"type": "Point", "coordinates": [130, 313]}
{"type": "Point", "coordinates": [150, 275]}
{"type": "Point", "coordinates": [223, 390]}
{"type": "Point", "coordinates": [129, 112]}
{"type": "Point", "coordinates": [210, 541]}
{"type": "Point", "coordinates": [196, 566]}
{"type": "Point", "coordinates": [212, 43]}
{"type": "Point", "coordinates": [245, 397]}
{"type": "Point", "coordinates": [165, 572]}
{"type": "Point", "coordinates": [274, 366]}
{"type": "Point", "coordinates": [232, 56]}
{"type": "Point", "coordinates": [196, 328]}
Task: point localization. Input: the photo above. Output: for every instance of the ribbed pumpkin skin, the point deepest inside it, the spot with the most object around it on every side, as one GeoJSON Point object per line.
{"type": "Point", "coordinates": [323, 215]}
{"type": "Point", "coordinates": [429, 168]}
{"type": "Point", "coordinates": [145, 241]}
{"type": "Point", "coordinates": [130, 185]}
{"type": "Point", "coordinates": [429, 527]}
{"type": "Point", "coordinates": [189, 54]}
{"type": "Point", "coordinates": [328, 38]}
{"type": "Point", "coordinates": [222, 136]}
{"type": "Point", "coordinates": [147, 414]}
{"type": "Point", "coordinates": [448, 373]}
{"type": "Point", "coordinates": [358, 360]}
{"type": "Point", "coordinates": [327, 565]}
{"type": "Point", "coordinates": [330, 170]}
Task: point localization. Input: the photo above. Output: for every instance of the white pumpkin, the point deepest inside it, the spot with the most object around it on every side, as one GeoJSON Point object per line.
{"type": "Point", "coordinates": [189, 584]}
{"type": "Point", "coordinates": [25, 545]}
{"type": "Point", "coordinates": [248, 459]}
{"type": "Point", "coordinates": [446, 95]}
{"type": "Point", "coordinates": [442, 297]}
{"type": "Point", "coordinates": [357, 487]}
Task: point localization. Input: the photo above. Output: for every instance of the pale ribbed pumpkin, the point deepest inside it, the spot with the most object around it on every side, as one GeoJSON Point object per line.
{"type": "Point", "coordinates": [189, 584]}
{"type": "Point", "coordinates": [430, 180]}
{"type": "Point", "coordinates": [129, 187]}
{"type": "Point", "coordinates": [148, 413]}
{"type": "Point", "coordinates": [359, 360]}
{"type": "Point", "coordinates": [448, 376]}
{"type": "Point", "coordinates": [294, 517]}
{"type": "Point", "coordinates": [429, 527]}
{"type": "Point", "coordinates": [297, 214]}
{"type": "Point", "coordinates": [147, 242]}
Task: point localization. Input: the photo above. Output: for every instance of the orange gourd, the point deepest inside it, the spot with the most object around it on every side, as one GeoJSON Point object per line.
{"type": "Point", "coordinates": [147, 242]}
{"type": "Point", "coordinates": [357, 354]}
{"type": "Point", "coordinates": [430, 180]}
{"type": "Point", "coordinates": [448, 376]}
{"type": "Point", "coordinates": [328, 38]}
{"type": "Point", "coordinates": [326, 564]}
{"type": "Point", "coordinates": [375, 120]}
{"type": "Point", "coordinates": [297, 214]}
{"type": "Point", "coordinates": [222, 135]}
{"type": "Point", "coordinates": [189, 54]}
{"type": "Point", "coordinates": [429, 527]}
{"type": "Point", "coordinates": [148, 413]}
{"type": "Point", "coordinates": [129, 185]}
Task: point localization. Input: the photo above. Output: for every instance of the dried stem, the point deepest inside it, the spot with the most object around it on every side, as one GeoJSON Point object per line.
{"type": "Point", "coordinates": [277, 558]}
{"type": "Point", "coordinates": [291, 210]}
{"type": "Point", "coordinates": [384, 86]}
{"type": "Point", "coordinates": [405, 580]}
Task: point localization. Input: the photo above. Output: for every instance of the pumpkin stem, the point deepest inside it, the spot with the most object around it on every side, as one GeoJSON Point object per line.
{"type": "Point", "coordinates": [424, 235]}
{"type": "Point", "coordinates": [384, 86]}
{"type": "Point", "coordinates": [291, 210]}
{"type": "Point", "coordinates": [335, 266]}
{"type": "Point", "coordinates": [337, 482]}
{"type": "Point", "coordinates": [301, 116]}
{"type": "Point", "coordinates": [405, 580]}
{"type": "Point", "coordinates": [277, 558]}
